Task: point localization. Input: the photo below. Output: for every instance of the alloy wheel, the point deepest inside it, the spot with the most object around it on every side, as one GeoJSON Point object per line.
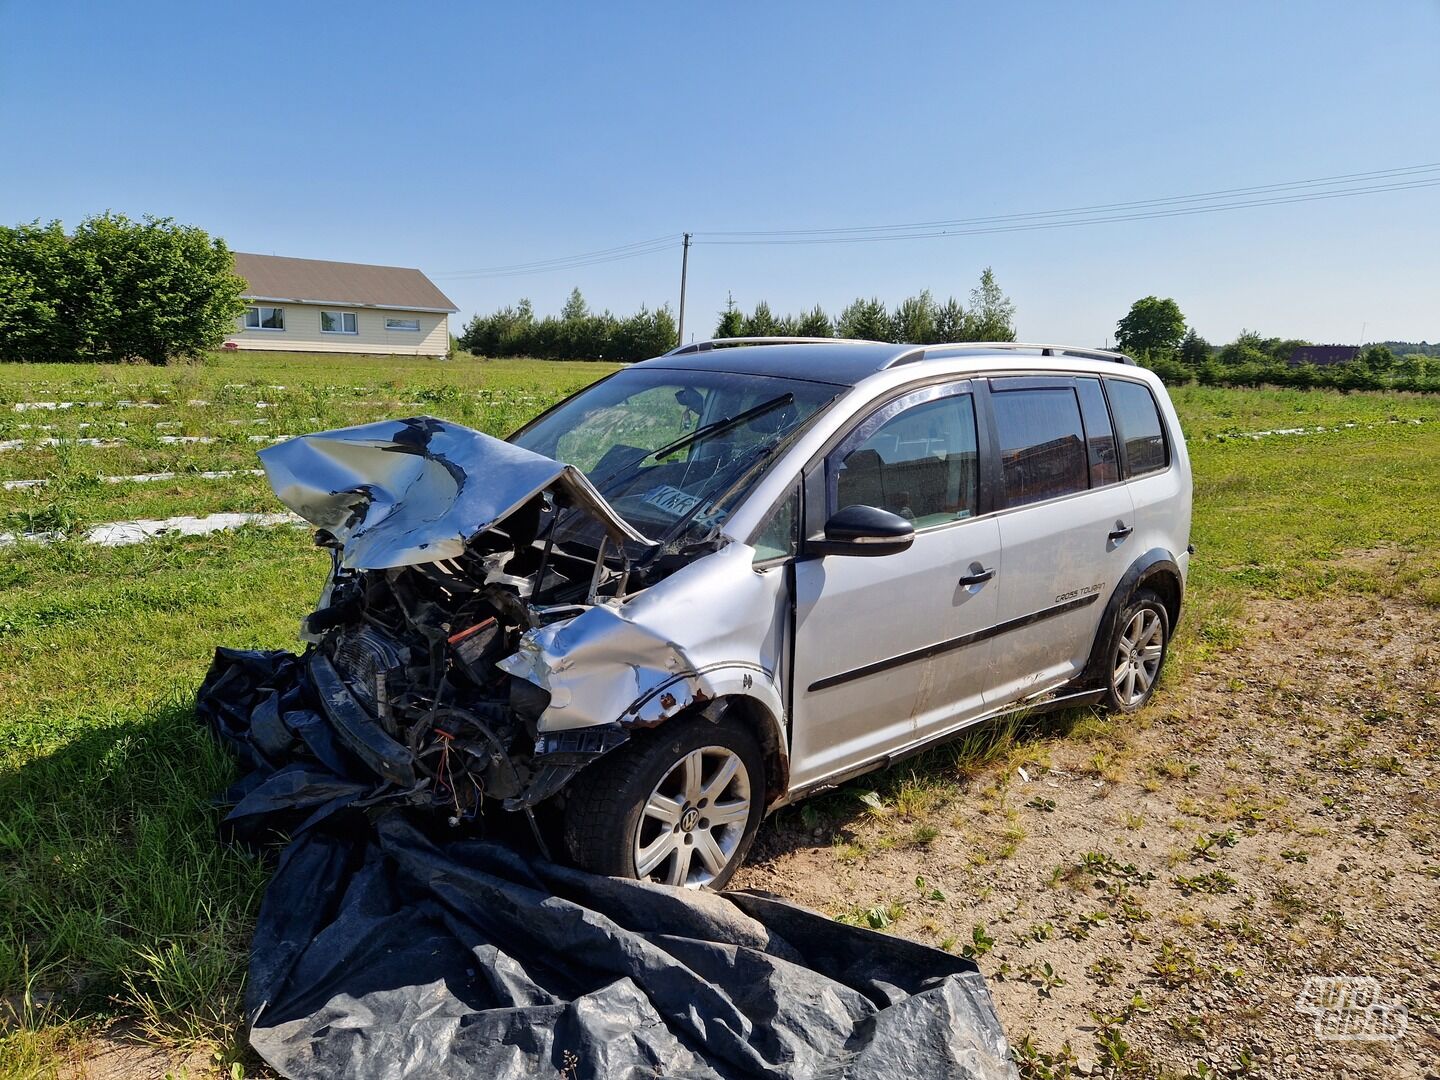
{"type": "Point", "coordinates": [694, 820]}
{"type": "Point", "coordinates": [1137, 656]}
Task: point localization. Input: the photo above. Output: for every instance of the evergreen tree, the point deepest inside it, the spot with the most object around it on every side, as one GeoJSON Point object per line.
{"type": "Point", "coordinates": [761, 323]}
{"type": "Point", "coordinates": [914, 320]}
{"type": "Point", "coordinates": [950, 321]}
{"type": "Point", "coordinates": [814, 323]}
{"type": "Point", "coordinates": [1194, 349]}
{"type": "Point", "coordinates": [732, 321]}
{"type": "Point", "coordinates": [867, 320]}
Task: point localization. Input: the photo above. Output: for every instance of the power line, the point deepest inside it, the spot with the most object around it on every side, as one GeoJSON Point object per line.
{"type": "Point", "coordinates": [568, 262]}
{"type": "Point", "coordinates": [1322, 188]}
{"type": "Point", "coordinates": [1221, 194]}
{"type": "Point", "coordinates": [1072, 223]}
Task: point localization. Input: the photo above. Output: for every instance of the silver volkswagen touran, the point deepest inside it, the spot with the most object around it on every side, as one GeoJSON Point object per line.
{"type": "Point", "coordinates": [721, 580]}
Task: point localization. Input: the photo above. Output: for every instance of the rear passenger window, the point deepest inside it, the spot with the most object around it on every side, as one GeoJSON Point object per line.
{"type": "Point", "coordinates": [1042, 444]}
{"type": "Point", "coordinates": [1099, 437]}
{"type": "Point", "coordinates": [919, 462]}
{"type": "Point", "coordinates": [1137, 422]}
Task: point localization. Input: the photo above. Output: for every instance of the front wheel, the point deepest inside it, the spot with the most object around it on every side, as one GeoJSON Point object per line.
{"type": "Point", "coordinates": [679, 805]}
{"type": "Point", "coordinates": [1136, 653]}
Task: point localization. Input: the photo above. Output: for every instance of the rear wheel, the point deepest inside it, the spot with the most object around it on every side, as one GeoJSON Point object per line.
{"type": "Point", "coordinates": [678, 805]}
{"type": "Point", "coordinates": [1136, 653]}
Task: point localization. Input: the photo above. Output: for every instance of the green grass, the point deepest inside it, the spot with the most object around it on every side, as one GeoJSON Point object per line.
{"type": "Point", "coordinates": [116, 899]}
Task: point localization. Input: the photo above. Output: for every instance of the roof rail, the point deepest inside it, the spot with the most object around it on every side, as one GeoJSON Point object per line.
{"type": "Point", "coordinates": [721, 343]}
{"type": "Point", "coordinates": [925, 352]}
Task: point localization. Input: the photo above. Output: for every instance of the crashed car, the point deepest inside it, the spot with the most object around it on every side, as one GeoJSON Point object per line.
{"type": "Point", "coordinates": [718, 581]}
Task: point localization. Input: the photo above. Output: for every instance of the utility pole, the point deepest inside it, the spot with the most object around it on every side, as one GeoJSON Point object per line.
{"type": "Point", "coordinates": [684, 266]}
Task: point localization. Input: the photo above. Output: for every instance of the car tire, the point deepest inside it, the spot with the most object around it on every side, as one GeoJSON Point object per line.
{"type": "Point", "coordinates": [641, 811]}
{"type": "Point", "coordinates": [1135, 653]}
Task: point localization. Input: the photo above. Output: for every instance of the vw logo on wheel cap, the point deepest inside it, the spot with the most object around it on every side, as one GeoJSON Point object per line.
{"type": "Point", "coordinates": [690, 819]}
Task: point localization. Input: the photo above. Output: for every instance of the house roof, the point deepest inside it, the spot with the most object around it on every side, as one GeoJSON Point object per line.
{"type": "Point", "coordinates": [1324, 355]}
{"type": "Point", "coordinates": [320, 281]}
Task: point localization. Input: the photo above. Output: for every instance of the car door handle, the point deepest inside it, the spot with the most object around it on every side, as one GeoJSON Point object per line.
{"type": "Point", "coordinates": [979, 577]}
{"type": "Point", "coordinates": [1121, 531]}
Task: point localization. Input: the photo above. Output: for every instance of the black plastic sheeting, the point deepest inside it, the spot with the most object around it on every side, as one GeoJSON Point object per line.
{"type": "Point", "coordinates": [386, 949]}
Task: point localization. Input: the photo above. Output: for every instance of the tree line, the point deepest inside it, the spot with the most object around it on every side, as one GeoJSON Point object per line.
{"type": "Point", "coordinates": [114, 290]}
{"type": "Point", "coordinates": [1155, 333]}
{"type": "Point", "coordinates": [916, 320]}
{"type": "Point", "coordinates": [576, 334]}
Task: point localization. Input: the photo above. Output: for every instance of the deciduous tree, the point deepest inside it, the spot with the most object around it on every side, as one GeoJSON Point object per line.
{"type": "Point", "coordinates": [1152, 325]}
{"type": "Point", "coordinates": [992, 314]}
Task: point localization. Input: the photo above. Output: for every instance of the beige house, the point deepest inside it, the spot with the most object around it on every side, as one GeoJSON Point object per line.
{"type": "Point", "coordinates": [313, 305]}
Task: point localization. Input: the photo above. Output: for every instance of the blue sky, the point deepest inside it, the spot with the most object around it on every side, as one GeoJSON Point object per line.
{"type": "Point", "coordinates": [461, 136]}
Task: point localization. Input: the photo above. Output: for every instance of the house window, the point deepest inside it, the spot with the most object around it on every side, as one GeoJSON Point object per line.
{"type": "Point", "coordinates": [337, 322]}
{"type": "Point", "coordinates": [265, 318]}
{"type": "Point", "coordinates": [402, 324]}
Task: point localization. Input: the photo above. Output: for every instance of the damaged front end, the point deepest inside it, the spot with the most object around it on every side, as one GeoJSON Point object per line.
{"type": "Point", "coordinates": [449, 550]}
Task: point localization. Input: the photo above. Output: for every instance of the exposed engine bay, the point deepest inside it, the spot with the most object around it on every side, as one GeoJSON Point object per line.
{"type": "Point", "coordinates": [447, 547]}
{"type": "Point", "coordinates": [416, 648]}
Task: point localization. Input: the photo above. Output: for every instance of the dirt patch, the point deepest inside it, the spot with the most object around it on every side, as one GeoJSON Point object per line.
{"type": "Point", "coordinates": [1148, 895]}
{"type": "Point", "coordinates": [118, 1055]}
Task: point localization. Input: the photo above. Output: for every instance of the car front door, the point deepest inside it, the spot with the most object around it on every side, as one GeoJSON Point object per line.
{"type": "Point", "coordinates": [890, 651]}
{"type": "Point", "coordinates": [1064, 520]}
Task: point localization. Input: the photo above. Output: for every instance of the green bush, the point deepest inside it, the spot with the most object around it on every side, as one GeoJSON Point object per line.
{"type": "Point", "coordinates": [114, 290]}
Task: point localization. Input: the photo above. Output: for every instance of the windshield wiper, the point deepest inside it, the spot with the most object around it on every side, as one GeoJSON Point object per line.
{"type": "Point", "coordinates": [713, 428]}
{"type": "Point", "coordinates": [717, 426]}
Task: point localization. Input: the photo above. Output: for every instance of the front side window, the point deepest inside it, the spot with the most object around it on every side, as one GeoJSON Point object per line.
{"type": "Point", "coordinates": [1042, 444]}
{"type": "Point", "coordinates": [675, 451]}
{"type": "Point", "coordinates": [337, 322]}
{"type": "Point", "coordinates": [915, 458]}
{"type": "Point", "coordinates": [1137, 420]}
{"type": "Point", "coordinates": [401, 324]}
{"type": "Point", "coordinates": [265, 318]}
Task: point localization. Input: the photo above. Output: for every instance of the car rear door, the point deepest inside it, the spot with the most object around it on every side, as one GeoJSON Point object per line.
{"type": "Point", "coordinates": [1065, 522]}
{"type": "Point", "coordinates": [1160, 491]}
{"type": "Point", "coordinates": [889, 651]}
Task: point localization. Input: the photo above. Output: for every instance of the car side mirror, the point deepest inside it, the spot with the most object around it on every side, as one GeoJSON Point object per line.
{"type": "Point", "coordinates": [863, 530]}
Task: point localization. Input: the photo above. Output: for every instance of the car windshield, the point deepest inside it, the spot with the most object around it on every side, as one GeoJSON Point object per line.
{"type": "Point", "coordinates": [672, 449]}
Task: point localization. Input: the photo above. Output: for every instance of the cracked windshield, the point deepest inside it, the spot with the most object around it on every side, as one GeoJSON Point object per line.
{"type": "Point", "coordinates": [672, 449]}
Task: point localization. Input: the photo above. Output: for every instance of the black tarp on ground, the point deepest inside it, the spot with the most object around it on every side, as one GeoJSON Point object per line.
{"type": "Point", "coordinates": [382, 951]}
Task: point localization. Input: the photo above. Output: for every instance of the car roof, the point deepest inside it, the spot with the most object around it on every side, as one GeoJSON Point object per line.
{"type": "Point", "coordinates": [843, 362]}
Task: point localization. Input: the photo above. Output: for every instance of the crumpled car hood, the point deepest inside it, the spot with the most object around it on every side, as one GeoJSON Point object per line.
{"type": "Point", "coordinates": [401, 492]}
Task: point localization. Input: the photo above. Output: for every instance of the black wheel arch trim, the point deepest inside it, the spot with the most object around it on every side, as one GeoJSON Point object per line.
{"type": "Point", "coordinates": [1154, 563]}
